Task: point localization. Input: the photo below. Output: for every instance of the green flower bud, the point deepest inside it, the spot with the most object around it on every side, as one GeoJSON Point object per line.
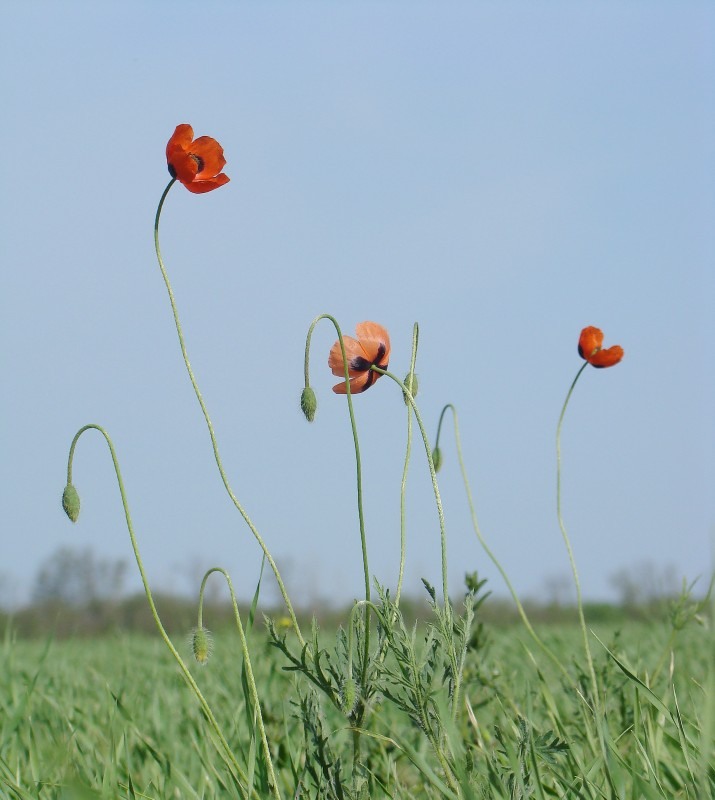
{"type": "Point", "coordinates": [202, 645]}
{"type": "Point", "coordinates": [308, 403]}
{"type": "Point", "coordinates": [411, 385]}
{"type": "Point", "coordinates": [70, 502]}
{"type": "Point", "coordinates": [349, 697]}
{"type": "Point", "coordinates": [437, 459]}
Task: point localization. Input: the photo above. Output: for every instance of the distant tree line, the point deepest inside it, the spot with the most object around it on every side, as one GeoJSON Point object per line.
{"type": "Point", "coordinates": [76, 593]}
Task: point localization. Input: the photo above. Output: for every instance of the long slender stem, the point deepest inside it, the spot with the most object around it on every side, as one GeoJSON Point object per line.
{"type": "Point", "coordinates": [433, 476]}
{"type": "Point", "coordinates": [356, 736]}
{"type": "Point", "coordinates": [443, 537]}
{"type": "Point", "coordinates": [147, 590]}
{"type": "Point", "coordinates": [598, 711]}
{"type": "Point", "coordinates": [485, 546]}
{"type": "Point", "coordinates": [567, 542]}
{"type": "Point", "coordinates": [214, 443]}
{"type": "Point", "coordinates": [403, 484]}
{"type": "Point", "coordinates": [249, 672]}
{"type": "Point", "coordinates": [358, 471]}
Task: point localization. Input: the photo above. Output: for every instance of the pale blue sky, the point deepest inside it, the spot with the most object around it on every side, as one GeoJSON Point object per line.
{"type": "Point", "coordinates": [502, 173]}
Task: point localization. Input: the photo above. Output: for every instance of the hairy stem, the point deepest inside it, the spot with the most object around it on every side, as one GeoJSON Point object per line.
{"type": "Point", "coordinates": [258, 715]}
{"type": "Point", "coordinates": [482, 541]}
{"type": "Point", "coordinates": [228, 753]}
{"type": "Point", "coordinates": [567, 542]}
{"type": "Point", "coordinates": [358, 470]}
{"type": "Point", "coordinates": [403, 484]}
{"type": "Point", "coordinates": [212, 434]}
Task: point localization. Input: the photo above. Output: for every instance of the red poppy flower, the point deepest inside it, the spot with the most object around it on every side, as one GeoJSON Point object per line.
{"type": "Point", "coordinates": [197, 163]}
{"type": "Point", "coordinates": [372, 347]}
{"type": "Point", "coordinates": [589, 348]}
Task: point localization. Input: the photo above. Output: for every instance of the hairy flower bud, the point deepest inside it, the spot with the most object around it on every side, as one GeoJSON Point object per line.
{"type": "Point", "coordinates": [202, 645]}
{"type": "Point", "coordinates": [411, 385]}
{"type": "Point", "coordinates": [308, 403]}
{"type": "Point", "coordinates": [70, 502]}
{"type": "Point", "coordinates": [349, 696]}
{"type": "Point", "coordinates": [437, 459]}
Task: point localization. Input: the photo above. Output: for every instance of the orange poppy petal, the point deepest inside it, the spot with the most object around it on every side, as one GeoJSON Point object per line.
{"type": "Point", "coordinates": [184, 167]}
{"type": "Point", "coordinates": [198, 186]}
{"type": "Point", "coordinates": [606, 358]}
{"type": "Point", "coordinates": [196, 164]}
{"type": "Point", "coordinates": [211, 154]}
{"type": "Point", "coordinates": [181, 138]}
{"type": "Point", "coordinates": [353, 349]}
{"type": "Point", "coordinates": [590, 340]}
{"type": "Point", "coordinates": [358, 384]}
{"type": "Point", "coordinates": [375, 341]}
{"type": "Point", "coordinates": [371, 330]}
{"type": "Point", "coordinates": [376, 352]}
{"type": "Point", "coordinates": [371, 347]}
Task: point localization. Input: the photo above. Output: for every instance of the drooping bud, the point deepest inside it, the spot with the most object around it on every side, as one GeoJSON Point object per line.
{"type": "Point", "coordinates": [437, 459]}
{"type": "Point", "coordinates": [70, 502]}
{"type": "Point", "coordinates": [202, 645]}
{"type": "Point", "coordinates": [411, 386]}
{"type": "Point", "coordinates": [308, 403]}
{"type": "Point", "coordinates": [348, 696]}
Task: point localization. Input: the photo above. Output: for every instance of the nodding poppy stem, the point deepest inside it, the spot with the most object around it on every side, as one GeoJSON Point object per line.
{"type": "Point", "coordinates": [433, 474]}
{"type": "Point", "coordinates": [403, 485]}
{"type": "Point", "coordinates": [358, 469]}
{"type": "Point", "coordinates": [258, 716]}
{"type": "Point", "coordinates": [228, 754]}
{"type": "Point", "coordinates": [567, 541]}
{"type": "Point", "coordinates": [456, 671]}
{"type": "Point", "coordinates": [475, 524]}
{"type": "Point", "coordinates": [209, 425]}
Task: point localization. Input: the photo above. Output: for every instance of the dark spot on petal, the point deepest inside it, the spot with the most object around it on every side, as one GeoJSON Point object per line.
{"type": "Point", "coordinates": [172, 171]}
{"type": "Point", "coordinates": [360, 364]}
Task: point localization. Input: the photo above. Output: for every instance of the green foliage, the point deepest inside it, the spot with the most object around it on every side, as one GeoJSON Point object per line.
{"type": "Point", "coordinates": [105, 718]}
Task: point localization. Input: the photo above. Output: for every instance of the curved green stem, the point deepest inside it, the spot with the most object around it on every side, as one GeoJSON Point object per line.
{"type": "Point", "coordinates": [214, 443]}
{"type": "Point", "coordinates": [598, 710]}
{"type": "Point", "coordinates": [403, 484]}
{"type": "Point", "coordinates": [482, 541]}
{"type": "Point", "coordinates": [567, 542]}
{"type": "Point", "coordinates": [443, 536]}
{"type": "Point", "coordinates": [358, 469]}
{"type": "Point", "coordinates": [433, 475]}
{"type": "Point", "coordinates": [230, 757]}
{"type": "Point", "coordinates": [258, 715]}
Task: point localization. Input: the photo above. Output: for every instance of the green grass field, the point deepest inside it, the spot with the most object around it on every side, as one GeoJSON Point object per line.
{"type": "Point", "coordinates": [113, 717]}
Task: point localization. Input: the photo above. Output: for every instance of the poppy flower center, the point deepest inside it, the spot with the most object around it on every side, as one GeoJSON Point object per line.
{"type": "Point", "coordinates": [588, 355]}
{"type": "Point", "coordinates": [199, 162]}
{"type": "Point", "coordinates": [363, 365]}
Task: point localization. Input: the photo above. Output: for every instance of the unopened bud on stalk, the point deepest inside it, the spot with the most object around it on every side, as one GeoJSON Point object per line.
{"type": "Point", "coordinates": [202, 645]}
{"type": "Point", "coordinates": [348, 696]}
{"type": "Point", "coordinates": [411, 386]}
{"type": "Point", "coordinates": [308, 403]}
{"type": "Point", "coordinates": [70, 502]}
{"type": "Point", "coordinates": [437, 459]}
